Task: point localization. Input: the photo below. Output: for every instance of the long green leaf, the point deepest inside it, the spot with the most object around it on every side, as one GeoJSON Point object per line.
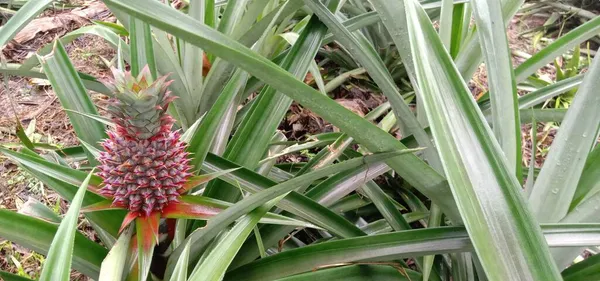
{"type": "Point", "coordinates": [503, 89]}
{"type": "Point", "coordinates": [57, 265]}
{"type": "Point", "coordinates": [221, 69]}
{"type": "Point", "coordinates": [487, 192]}
{"type": "Point", "coordinates": [539, 96]}
{"type": "Point", "coordinates": [325, 194]}
{"type": "Point", "coordinates": [366, 55]}
{"type": "Point", "coordinates": [192, 57]}
{"type": "Point", "coordinates": [168, 62]}
{"type": "Point", "coordinates": [39, 210]}
{"type": "Point", "coordinates": [202, 236]}
{"type": "Point", "coordinates": [586, 270]}
{"type": "Point", "coordinates": [446, 23]}
{"type": "Point", "coordinates": [410, 167]}
{"type": "Point", "coordinates": [64, 181]}
{"type": "Point", "coordinates": [142, 47]}
{"type": "Point", "coordinates": [113, 265]}
{"type": "Point", "coordinates": [470, 56]}
{"type": "Point", "coordinates": [180, 273]}
{"type": "Point", "coordinates": [204, 136]}
{"type": "Point", "coordinates": [88, 81]}
{"type": "Point", "coordinates": [383, 247]}
{"type": "Point", "coordinates": [269, 218]}
{"type": "Point", "coordinates": [37, 235]}
{"type": "Point", "coordinates": [252, 138]}
{"type": "Point", "coordinates": [294, 202]}
{"type": "Point", "coordinates": [72, 95]}
{"type": "Point", "coordinates": [589, 183]}
{"type": "Point", "coordinates": [19, 20]}
{"type": "Point", "coordinates": [367, 272]}
{"type": "Point", "coordinates": [557, 182]}
{"type": "Point", "coordinates": [103, 32]}
{"type": "Point", "coordinates": [557, 48]}
{"type": "Point", "coordinates": [216, 262]}
{"type": "Point", "coordinates": [11, 277]}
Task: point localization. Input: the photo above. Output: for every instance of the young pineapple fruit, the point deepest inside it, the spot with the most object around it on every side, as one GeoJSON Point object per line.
{"type": "Point", "coordinates": [144, 165]}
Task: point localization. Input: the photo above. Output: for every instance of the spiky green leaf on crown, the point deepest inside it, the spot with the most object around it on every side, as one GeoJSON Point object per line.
{"type": "Point", "coordinates": [139, 105]}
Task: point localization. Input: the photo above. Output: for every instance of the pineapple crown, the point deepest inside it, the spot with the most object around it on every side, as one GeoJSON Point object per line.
{"type": "Point", "coordinates": [139, 104]}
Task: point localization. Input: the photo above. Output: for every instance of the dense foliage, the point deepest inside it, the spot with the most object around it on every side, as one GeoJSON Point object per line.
{"type": "Point", "coordinates": [181, 180]}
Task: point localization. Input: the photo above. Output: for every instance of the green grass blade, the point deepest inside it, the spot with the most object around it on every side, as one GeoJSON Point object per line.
{"type": "Point", "coordinates": [557, 48]}
{"type": "Point", "coordinates": [19, 20]}
{"type": "Point", "coordinates": [475, 166]}
{"type": "Point", "coordinates": [22, 136]}
{"type": "Point", "coordinates": [557, 182]}
{"type": "Point", "coordinates": [57, 265]}
{"type": "Point", "coordinates": [410, 167]}
{"type": "Point", "coordinates": [502, 86]}
{"type": "Point", "coordinates": [72, 95]}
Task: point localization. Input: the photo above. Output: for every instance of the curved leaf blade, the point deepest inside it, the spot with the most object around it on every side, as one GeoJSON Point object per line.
{"type": "Point", "coordinates": [503, 89]}
{"type": "Point", "coordinates": [505, 235]}
{"type": "Point", "coordinates": [385, 247]}
{"type": "Point", "coordinates": [557, 182]}
{"type": "Point", "coordinates": [72, 95]}
{"type": "Point", "coordinates": [19, 20]}
{"type": "Point", "coordinates": [57, 266]}
{"type": "Point", "coordinates": [114, 263]}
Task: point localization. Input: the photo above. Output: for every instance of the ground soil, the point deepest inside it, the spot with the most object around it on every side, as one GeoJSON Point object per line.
{"type": "Point", "coordinates": [32, 101]}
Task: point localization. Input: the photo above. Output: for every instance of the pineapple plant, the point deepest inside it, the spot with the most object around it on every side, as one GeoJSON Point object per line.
{"type": "Point", "coordinates": [454, 211]}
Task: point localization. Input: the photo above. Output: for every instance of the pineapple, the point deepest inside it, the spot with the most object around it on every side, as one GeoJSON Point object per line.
{"type": "Point", "coordinates": [144, 166]}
